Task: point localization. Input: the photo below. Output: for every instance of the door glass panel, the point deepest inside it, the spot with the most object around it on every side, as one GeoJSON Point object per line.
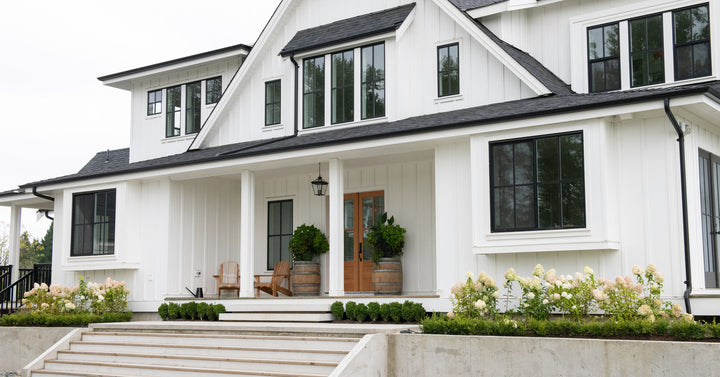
{"type": "Point", "coordinates": [368, 212]}
{"type": "Point", "coordinates": [349, 204]}
{"type": "Point", "coordinates": [349, 246]}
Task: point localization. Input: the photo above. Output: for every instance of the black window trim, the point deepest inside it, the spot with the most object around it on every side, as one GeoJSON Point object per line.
{"type": "Point", "coordinates": [630, 52]}
{"type": "Point", "coordinates": [675, 46]}
{"type": "Point", "coordinates": [603, 59]}
{"type": "Point", "coordinates": [332, 89]}
{"type": "Point", "coordinates": [384, 80]}
{"type": "Point", "coordinates": [314, 93]}
{"type": "Point", "coordinates": [533, 138]}
{"type": "Point", "coordinates": [187, 108]}
{"type": "Point", "coordinates": [72, 222]}
{"type": "Point", "coordinates": [270, 266]}
{"type": "Point", "coordinates": [279, 102]}
{"type": "Point", "coordinates": [207, 97]}
{"type": "Point", "coordinates": [148, 113]}
{"type": "Point", "coordinates": [166, 112]}
{"type": "Point", "coordinates": [447, 45]}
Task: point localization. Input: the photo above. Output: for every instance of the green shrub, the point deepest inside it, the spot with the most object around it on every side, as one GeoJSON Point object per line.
{"type": "Point", "coordinates": [361, 313]}
{"type": "Point", "coordinates": [307, 242]}
{"type": "Point", "coordinates": [373, 311]}
{"type": "Point", "coordinates": [62, 320]}
{"type": "Point", "coordinates": [173, 311]}
{"type": "Point", "coordinates": [163, 311]}
{"type": "Point", "coordinates": [419, 312]}
{"type": "Point", "coordinates": [396, 312]}
{"type": "Point", "coordinates": [385, 312]}
{"type": "Point", "coordinates": [202, 309]}
{"type": "Point", "coordinates": [214, 311]}
{"type": "Point", "coordinates": [687, 330]}
{"type": "Point", "coordinates": [350, 309]}
{"type": "Point", "coordinates": [190, 310]}
{"type": "Point", "coordinates": [714, 329]}
{"type": "Point", "coordinates": [337, 310]}
{"type": "Point", "coordinates": [408, 311]}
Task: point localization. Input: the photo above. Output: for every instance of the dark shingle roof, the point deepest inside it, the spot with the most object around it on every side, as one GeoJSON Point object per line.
{"type": "Point", "coordinates": [347, 30]}
{"type": "Point", "coordinates": [464, 5]}
{"type": "Point", "coordinates": [118, 163]}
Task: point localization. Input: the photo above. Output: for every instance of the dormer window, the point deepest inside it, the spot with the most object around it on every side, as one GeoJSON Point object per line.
{"type": "Point", "coordinates": [373, 81]}
{"type": "Point", "coordinates": [213, 90]}
{"type": "Point", "coordinates": [314, 92]}
{"type": "Point", "coordinates": [192, 107]}
{"type": "Point", "coordinates": [172, 111]}
{"type": "Point", "coordinates": [342, 98]}
{"type": "Point", "coordinates": [154, 102]}
{"type": "Point", "coordinates": [632, 53]}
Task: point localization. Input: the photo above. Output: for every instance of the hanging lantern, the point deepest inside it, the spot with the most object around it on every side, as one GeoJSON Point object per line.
{"type": "Point", "coordinates": [319, 185]}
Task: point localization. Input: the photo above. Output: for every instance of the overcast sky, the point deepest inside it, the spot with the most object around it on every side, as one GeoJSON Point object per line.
{"type": "Point", "coordinates": [55, 114]}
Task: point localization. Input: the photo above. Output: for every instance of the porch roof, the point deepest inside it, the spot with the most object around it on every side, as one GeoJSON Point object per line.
{"type": "Point", "coordinates": [116, 162]}
{"type": "Point", "coordinates": [464, 5]}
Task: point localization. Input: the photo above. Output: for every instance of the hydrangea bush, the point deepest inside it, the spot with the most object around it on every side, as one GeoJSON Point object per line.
{"type": "Point", "coordinates": [87, 297]}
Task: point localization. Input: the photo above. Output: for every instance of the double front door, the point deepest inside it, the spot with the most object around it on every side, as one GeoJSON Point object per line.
{"type": "Point", "coordinates": [360, 213]}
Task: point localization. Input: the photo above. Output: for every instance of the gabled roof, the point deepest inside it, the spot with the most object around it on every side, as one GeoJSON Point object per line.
{"type": "Point", "coordinates": [354, 28]}
{"type": "Point", "coordinates": [110, 163]}
{"type": "Point", "coordinates": [464, 5]}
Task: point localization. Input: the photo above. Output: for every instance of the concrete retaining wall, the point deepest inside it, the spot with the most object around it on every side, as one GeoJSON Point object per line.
{"type": "Point", "coordinates": [444, 355]}
{"type": "Point", "coordinates": [21, 345]}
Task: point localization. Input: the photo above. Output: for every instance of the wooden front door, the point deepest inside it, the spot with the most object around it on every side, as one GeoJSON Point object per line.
{"type": "Point", "coordinates": [361, 211]}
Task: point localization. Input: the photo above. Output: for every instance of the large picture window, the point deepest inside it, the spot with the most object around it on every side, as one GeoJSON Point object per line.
{"type": "Point", "coordinates": [192, 107]}
{"type": "Point", "coordinates": [538, 183]}
{"type": "Point", "coordinates": [691, 29]}
{"type": "Point", "coordinates": [373, 81]}
{"type": "Point", "coordinates": [604, 57]}
{"type": "Point", "coordinates": [93, 224]}
{"type": "Point", "coordinates": [342, 98]}
{"type": "Point", "coordinates": [172, 112]}
{"type": "Point", "coordinates": [314, 92]}
{"type": "Point", "coordinates": [280, 229]}
{"type": "Point", "coordinates": [448, 65]}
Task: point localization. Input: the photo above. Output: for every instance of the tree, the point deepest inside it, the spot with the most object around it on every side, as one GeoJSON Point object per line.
{"type": "Point", "coordinates": [4, 251]}
{"type": "Point", "coordinates": [31, 250]}
{"type": "Point", "coordinates": [47, 243]}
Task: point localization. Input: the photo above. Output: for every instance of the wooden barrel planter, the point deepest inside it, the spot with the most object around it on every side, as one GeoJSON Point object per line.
{"type": "Point", "coordinates": [387, 277]}
{"type": "Point", "coordinates": [306, 278]}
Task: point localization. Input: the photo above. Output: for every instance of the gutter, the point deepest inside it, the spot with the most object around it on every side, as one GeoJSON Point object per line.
{"type": "Point", "coordinates": [50, 198]}
{"type": "Point", "coordinates": [683, 189]}
{"type": "Point", "coordinates": [297, 73]}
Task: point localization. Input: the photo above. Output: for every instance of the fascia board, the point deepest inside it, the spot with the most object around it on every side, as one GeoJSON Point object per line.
{"type": "Point", "coordinates": [506, 60]}
{"type": "Point", "coordinates": [406, 24]}
{"type": "Point", "coordinates": [488, 11]}
{"type": "Point", "coordinates": [232, 88]}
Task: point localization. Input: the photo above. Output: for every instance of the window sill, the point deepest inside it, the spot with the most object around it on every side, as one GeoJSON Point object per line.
{"type": "Point", "coordinates": [273, 127]}
{"type": "Point", "coordinates": [706, 293]}
{"type": "Point", "coordinates": [154, 116]}
{"type": "Point", "coordinates": [543, 241]}
{"type": "Point", "coordinates": [175, 139]}
{"type": "Point", "coordinates": [451, 98]}
{"type": "Point", "coordinates": [343, 125]}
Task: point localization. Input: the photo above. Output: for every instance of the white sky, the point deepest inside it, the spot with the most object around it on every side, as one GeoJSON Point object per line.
{"type": "Point", "coordinates": [55, 114]}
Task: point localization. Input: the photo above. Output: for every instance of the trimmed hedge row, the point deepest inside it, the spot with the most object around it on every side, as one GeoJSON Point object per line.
{"type": "Point", "coordinates": [191, 311]}
{"type": "Point", "coordinates": [53, 320]}
{"type": "Point", "coordinates": [373, 311]}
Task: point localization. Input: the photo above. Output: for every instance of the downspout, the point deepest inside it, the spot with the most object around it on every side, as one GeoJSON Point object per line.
{"type": "Point", "coordinates": [50, 198]}
{"type": "Point", "coordinates": [297, 73]}
{"type": "Point", "coordinates": [683, 189]}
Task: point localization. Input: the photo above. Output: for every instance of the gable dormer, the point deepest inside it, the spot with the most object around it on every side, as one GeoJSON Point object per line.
{"type": "Point", "coordinates": [170, 101]}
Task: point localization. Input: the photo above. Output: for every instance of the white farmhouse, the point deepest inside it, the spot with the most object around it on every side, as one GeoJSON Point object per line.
{"type": "Point", "coordinates": [499, 133]}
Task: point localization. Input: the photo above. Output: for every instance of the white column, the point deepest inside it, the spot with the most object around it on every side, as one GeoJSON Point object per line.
{"type": "Point", "coordinates": [14, 239]}
{"type": "Point", "coordinates": [336, 283]}
{"type": "Point", "coordinates": [247, 230]}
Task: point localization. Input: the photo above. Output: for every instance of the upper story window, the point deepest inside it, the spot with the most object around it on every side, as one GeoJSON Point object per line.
{"type": "Point", "coordinates": [343, 77]}
{"type": "Point", "coordinates": [314, 92]}
{"type": "Point", "coordinates": [373, 81]}
{"type": "Point", "coordinates": [154, 102]}
{"type": "Point", "coordinates": [448, 66]}
{"type": "Point", "coordinates": [691, 28]}
{"type": "Point", "coordinates": [537, 183]}
{"type": "Point", "coordinates": [192, 107]}
{"type": "Point", "coordinates": [641, 57]}
{"type": "Point", "coordinates": [213, 90]}
{"type": "Point", "coordinates": [604, 57]}
{"type": "Point", "coordinates": [172, 111]}
{"type": "Point", "coordinates": [93, 224]}
{"type": "Point", "coordinates": [647, 63]}
{"type": "Point", "coordinates": [272, 102]}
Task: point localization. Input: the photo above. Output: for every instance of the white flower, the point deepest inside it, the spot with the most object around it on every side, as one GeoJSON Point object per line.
{"type": "Point", "coordinates": [545, 302]}
{"type": "Point", "coordinates": [450, 315]}
{"type": "Point", "coordinates": [538, 270]}
{"type": "Point", "coordinates": [480, 305]}
{"type": "Point", "coordinates": [659, 277]}
{"type": "Point", "coordinates": [496, 294]}
{"type": "Point", "coordinates": [637, 270]}
{"type": "Point", "coordinates": [469, 275]}
{"type": "Point", "coordinates": [530, 296]}
{"type": "Point", "coordinates": [588, 270]}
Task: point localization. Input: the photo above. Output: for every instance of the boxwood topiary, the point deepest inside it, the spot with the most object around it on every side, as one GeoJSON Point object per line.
{"type": "Point", "coordinates": [373, 311]}
{"type": "Point", "coordinates": [350, 308]}
{"type": "Point", "coordinates": [361, 312]}
{"type": "Point", "coordinates": [337, 310]}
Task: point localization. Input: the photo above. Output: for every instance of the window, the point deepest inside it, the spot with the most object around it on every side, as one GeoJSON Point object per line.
{"type": "Point", "coordinates": [538, 183]}
{"type": "Point", "coordinates": [342, 98]}
{"type": "Point", "coordinates": [448, 66]}
{"type": "Point", "coordinates": [213, 90]}
{"type": "Point", "coordinates": [604, 58]}
{"type": "Point", "coordinates": [691, 28]}
{"type": "Point", "coordinates": [192, 108]}
{"type": "Point", "coordinates": [93, 224]}
{"type": "Point", "coordinates": [280, 229]}
{"type": "Point", "coordinates": [313, 92]}
{"type": "Point", "coordinates": [373, 81]}
{"type": "Point", "coordinates": [647, 64]}
{"type": "Point", "coordinates": [172, 112]}
{"type": "Point", "coordinates": [154, 102]}
{"type": "Point", "coordinates": [272, 102]}
{"type": "Point", "coordinates": [710, 214]}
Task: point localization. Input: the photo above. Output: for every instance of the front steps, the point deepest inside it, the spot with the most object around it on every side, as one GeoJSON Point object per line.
{"type": "Point", "coordinates": [170, 349]}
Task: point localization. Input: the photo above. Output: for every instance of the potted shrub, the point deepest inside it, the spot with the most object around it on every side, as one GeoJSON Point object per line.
{"type": "Point", "coordinates": [387, 240]}
{"type": "Point", "coordinates": [306, 243]}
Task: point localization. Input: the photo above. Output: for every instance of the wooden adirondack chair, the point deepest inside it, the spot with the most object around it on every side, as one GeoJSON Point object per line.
{"type": "Point", "coordinates": [229, 277]}
{"type": "Point", "coordinates": [281, 272]}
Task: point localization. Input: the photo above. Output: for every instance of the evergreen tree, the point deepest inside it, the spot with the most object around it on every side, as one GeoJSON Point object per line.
{"type": "Point", "coordinates": [47, 243]}
{"type": "Point", "coordinates": [31, 250]}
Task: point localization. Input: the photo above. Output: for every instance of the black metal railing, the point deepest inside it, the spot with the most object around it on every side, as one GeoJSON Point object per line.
{"type": "Point", "coordinates": [5, 280]}
{"type": "Point", "coordinates": [14, 293]}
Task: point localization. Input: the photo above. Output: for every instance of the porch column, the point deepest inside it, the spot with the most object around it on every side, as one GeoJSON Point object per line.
{"type": "Point", "coordinates": [14, 240]}
{"type": "Point", "coordinates": [247, 241]}
{"type": "Point", "coordinates": [336, 284]}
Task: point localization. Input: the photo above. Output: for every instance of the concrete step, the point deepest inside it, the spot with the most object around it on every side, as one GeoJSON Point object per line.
{"type": "Point", "coordinates": [57, 373]}
{"type": "Point", "coordinates": [266, 365]}
{"type": "Point", "coordinates": [108, 368]}
{"type": "Point", "coordinates": [279, 353]}
{"type": "Point", "coordinates": [300, 342]}
{"type": "Point", "coordinates": [277, 317]}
